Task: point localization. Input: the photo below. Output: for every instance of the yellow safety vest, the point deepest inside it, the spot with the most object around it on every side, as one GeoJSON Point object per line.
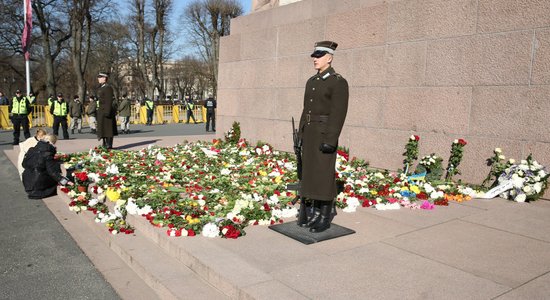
{"type": "Point", "coordinates": [50, 101]}
{"type": "Point", "coordinates": [19, 107]}
{"type": "Point", "coordinates": [31, 99]}
{"type": "Point", "coordinates": [60, 109]}
{"type": "Point", "coordinates": [149, 104]}
{"type": "Point", "coordinates": [190, 105]}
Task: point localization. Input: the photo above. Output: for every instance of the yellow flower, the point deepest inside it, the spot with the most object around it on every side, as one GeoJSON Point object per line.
{"type": "Point", "coordinates": [415, 189]}
{"type": "Point", "coordinates": [278, 179]}
{"type": "Point", "coordinates": [374, 192]}
{"type": "Point", "coordinates": [112, 194]}
{"type": "Point", "coordinates": [404, 189]}
{"type": "Point", "coordinates": [262, 173]}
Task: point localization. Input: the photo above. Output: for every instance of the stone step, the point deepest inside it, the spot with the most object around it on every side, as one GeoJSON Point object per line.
{"type": "Point", "coordinates": [163, 274]}
{"type": "Point", "coordinates": [215, 262]}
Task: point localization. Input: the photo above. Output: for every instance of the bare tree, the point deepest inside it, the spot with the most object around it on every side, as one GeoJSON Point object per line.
{"type": "Point", "coordinates": [83, 14]}
{"type": "Point", "coordinates": [54, 36]}
{"type": "Point", "coordinates": [150, 43]}
{"type": "Point", "coordinates": [207, 21]}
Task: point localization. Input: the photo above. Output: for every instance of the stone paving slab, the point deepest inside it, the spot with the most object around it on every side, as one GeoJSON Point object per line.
{"type": "Point", "coordinates": [425, 218]}
{"type": "Point", "coordinates": [379, 271]}
{"type": "Point", "coordinates": [126, 282]}
{"type": "Point", "coordinates": [538, 288]}
{"type": "Point", "coordinates": [496, 255]}
{"type": "Point", "coordinates": [527, 219]}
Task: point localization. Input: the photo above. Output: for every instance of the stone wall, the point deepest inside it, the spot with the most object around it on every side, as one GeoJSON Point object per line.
{"type": "Point", "coordinates": [441, 69]}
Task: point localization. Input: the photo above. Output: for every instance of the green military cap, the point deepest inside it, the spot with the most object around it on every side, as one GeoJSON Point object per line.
{"type": "Point", "coordinates": [324, 47]}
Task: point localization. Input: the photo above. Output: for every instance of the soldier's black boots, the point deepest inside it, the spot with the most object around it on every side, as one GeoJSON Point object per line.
{"type": "Point", "coordinates": [303, 213]}
{"type": "Point", "coordinates": [324, 219]}
{"type": "Point", "coordinates": [313, 216]}
{"type": "Point", "coordinates": [109, 142]}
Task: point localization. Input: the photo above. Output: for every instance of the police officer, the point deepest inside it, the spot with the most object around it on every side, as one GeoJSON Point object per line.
{"type": "Point", "coordinates": [150, 107]}
{"type": "Point", "coordinates": [19, 109]}
{"type": "Point", "coordinates": [106, 112]}
{"type": "Point", "coordinates": [322, 119]}
{"type": "Point", "coordinates": [60, 109]}
{"type": "Point", "coordinates": [210, 105]}
{"type": "Point", "coordinates": [189, 105]}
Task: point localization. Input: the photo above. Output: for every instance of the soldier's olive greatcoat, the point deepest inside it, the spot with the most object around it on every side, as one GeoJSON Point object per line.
{"type": "Point", "coordinates": [106, 112]}
{"type": "Point", "coordinates": [326, 103]}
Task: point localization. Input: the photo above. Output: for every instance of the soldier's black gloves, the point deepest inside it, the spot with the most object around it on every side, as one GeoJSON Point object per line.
{"type": "Point", "coordinates": [326, 148]}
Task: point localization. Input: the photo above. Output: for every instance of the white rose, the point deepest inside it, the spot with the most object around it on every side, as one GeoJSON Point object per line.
{"type": "Point", "coordinates": [538, 187]}
{"type": "Point", "coordinates": [512, 161]}
{"type": "Point", "coordinates": [527, 189]}
{"type": "Point", "coordinates": [498, 150]}
{"type": "Point", "coordinates": [542, 173]}
{"type": "Point", "coordinates": [520, 198]}
{"type": "Point", "coordinates": [210, 230]}
{"type": "Point", "coordinates": [455, 141]}
{"type": "Point", "coordinates": [501, 157]}
{"type": "Point", "coordinates": [412, 138]}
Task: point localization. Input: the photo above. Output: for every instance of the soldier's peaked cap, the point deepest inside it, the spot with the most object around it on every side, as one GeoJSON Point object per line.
{"type": "Point", "coordinates": [324, 47]}
{"type": "Point", "coordinates": [103, 74]}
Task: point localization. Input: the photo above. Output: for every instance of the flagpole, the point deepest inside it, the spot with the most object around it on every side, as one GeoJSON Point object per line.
{"type": "Point", "coordinates": [27, 58]}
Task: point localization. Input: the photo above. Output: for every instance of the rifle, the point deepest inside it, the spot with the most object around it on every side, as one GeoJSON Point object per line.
{"type": "Point", "coordinates": [298, 151]}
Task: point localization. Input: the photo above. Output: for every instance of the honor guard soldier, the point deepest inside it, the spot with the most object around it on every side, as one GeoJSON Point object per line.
{"type": "Point", "coordinates": [322, 119]}
{"type": "Point", "coordinates": [60, 109]}
{"type": "Point", "coordinates": [19, 109]}
{"type": "Point", "coordinates": [106, 112]}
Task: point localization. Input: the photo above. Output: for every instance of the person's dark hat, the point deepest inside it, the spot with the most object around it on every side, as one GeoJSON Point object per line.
{"type": "Point", "coordinates": [18, 92]}
{"type": "Point", "coordinates": [76, 97]}
{"type": "Point", "coordinates": [102, 74]}
{"type": "Point", "coordinates": [324, 47]}
{"type": "Point", "coordinates": [59, 94]}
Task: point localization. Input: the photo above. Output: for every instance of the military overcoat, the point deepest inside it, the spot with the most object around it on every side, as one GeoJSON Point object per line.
{"type": "Point", "coordinates": [106, 112]}
{"type": "Point", "coordinates": [325, 108]}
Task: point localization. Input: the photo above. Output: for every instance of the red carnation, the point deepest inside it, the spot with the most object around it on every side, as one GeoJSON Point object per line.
{"type": "Point", "coordinates": [462, 142]}
{"type": "Point", "coordinates": [416, 137]}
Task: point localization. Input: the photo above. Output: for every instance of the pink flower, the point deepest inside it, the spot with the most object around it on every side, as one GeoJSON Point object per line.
{"type": "Point", "coordinates": [426, 205]}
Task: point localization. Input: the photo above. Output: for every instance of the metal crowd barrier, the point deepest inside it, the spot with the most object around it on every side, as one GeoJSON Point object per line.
{"type": "Point", "coordinates": [164, 114]}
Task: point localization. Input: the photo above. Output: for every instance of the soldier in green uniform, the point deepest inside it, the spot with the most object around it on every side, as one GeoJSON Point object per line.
{"type": "Point", "coordinates": [106, 112]}
{"type": "Point", "coordinates": [322, 119]}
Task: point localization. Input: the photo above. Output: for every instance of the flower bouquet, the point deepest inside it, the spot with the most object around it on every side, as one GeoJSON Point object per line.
{"type": "Point", "coordinates": [529, 180]}
{"type": "Point", "coordinates": [82, 181]}
{"type": "Point", "coordinates": [431, 164]}
{"type": "Point", "coordinates": [411, 152]}
{"type": "Point", "coordinates": [457, 150]}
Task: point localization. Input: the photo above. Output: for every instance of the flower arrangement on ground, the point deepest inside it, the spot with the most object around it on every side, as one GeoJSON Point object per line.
{"type": "Point", "coordinates": [529, 179]}
{"type": "Point", "coordinates": [431, 164]}
{"type": "Point", "coordinates": [218, 188]}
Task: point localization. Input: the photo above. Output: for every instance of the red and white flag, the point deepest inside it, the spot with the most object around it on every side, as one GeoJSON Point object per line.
{"type": "Point", "coordinates": [27, 29]}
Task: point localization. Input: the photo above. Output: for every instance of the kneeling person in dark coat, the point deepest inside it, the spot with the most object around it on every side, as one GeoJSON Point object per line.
{"type": "Point", "coordinates": [42, 172]}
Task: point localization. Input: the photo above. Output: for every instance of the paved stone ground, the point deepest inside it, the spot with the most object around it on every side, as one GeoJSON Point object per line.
{"type": "Point", "coordinates": [481, 249]}
{"type": "Point", "coordinates": [38, 258]}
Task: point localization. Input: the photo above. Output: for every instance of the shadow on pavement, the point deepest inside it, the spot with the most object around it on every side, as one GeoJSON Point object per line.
{"type": "Point", "coordinates": [128, 146]}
